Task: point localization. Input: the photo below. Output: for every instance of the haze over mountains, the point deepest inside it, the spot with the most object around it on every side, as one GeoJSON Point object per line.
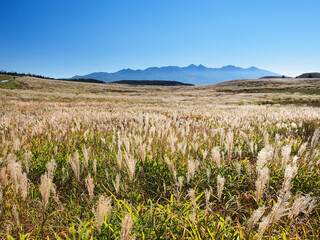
{"type": "Point", "coordinates": [198, 75]}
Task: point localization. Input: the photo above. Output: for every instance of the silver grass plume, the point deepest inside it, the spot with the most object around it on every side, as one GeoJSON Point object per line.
{"type": "Point", "coordinates": [192, 168]}
{"type": "Point", "coordinates": [262, 180]}
{"type": "Point", "coordinates": [116, 184]}
{"type": "Point", "coordinates": [45, 188]}
{"type": "Point", "coordinates": [264, 156]}
{"type": "Point", "coordinates": [51, 167]}
{"type": "Point", "coordinates": [127, 224]}
{"type": "Point", "coordinates": [266, 139]}
{"type": "Point", "coordinates": [256, 215]}
{"type": "Point", "coordinates": [27, 157]}
{"type": "Point", "coordinates": [94, 165]}
{"type": "Point", "coordinates": [285, 151]}
{"type": "Point", "coordinates": [276, 147]}
{"type": "Point", "coordinates": [23, 185]}
{"type": "Point", "coordinates": [131, 165]}
{"type": "Point", "coordinates": [90, 186]}
{"type": "Point", "coordinates": [86, 156]}
{"type": "Point", "coordinates": [208, 174]}
{"type": "Point", "coordinates": [204, 154]}
{"type": "Point", "coordinates": [216, 156]}
{"type": "Point", "coordinates": [143, 153]}
{"type": "Point", "coordinates": [229, 144]}
{"type": "Point", "coordinates": [278, 211]}
{"type": "Point", "coordinates": [312, 205]}
{"type": "Point", "coordinates": [300, 204]}
{"type": "Point", "coordinates": [249, 143]}
{"type": "Point", "coordinates": [220, 184]}
{"type": "Point", "coordinates": [103, 208]}
{"type": "Point", "coordinates": [302, 149]}
{"type": "Point", "coordinates": [171, 167]}
{"type": "Point", "coordinates": [75, 165]}
{"type": "Point", "coordinates": [180, 183]}
{"type": "Point", "coordinates": [17, 176]}
{"type": "Point", "coordinates": [290, 173]}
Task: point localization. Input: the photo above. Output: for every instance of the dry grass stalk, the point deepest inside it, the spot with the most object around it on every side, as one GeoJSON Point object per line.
{"type": "Point", "coordinates": [315, 139]}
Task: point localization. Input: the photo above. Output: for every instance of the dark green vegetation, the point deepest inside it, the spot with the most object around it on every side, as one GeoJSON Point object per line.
{"type": "Point", "coordinates": [153, 83]}
{"type": "Point", "coordinates": [84, 80]}
{"type": "Point", "coordinates": [310, 75]}
{"type": "Point", "coordinates": [16, 74]}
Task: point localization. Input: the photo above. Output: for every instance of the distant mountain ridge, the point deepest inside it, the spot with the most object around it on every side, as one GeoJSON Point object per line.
{"type": "Point", "coordinates": [193, 74]}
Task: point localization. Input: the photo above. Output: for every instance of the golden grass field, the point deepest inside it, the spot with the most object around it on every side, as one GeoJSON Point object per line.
{"type": "Point", "coordinates": [235, 160]}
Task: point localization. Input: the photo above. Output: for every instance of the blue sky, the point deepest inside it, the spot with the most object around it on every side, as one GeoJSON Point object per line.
{"type": "Point", "coordinates": [62, 38]}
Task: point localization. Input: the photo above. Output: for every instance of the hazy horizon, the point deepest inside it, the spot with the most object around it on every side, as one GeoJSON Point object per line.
{"type": "Point", "coordinates": [65, 38]}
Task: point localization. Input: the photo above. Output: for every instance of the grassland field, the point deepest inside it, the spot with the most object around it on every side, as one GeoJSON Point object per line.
{"type": "Point", "coordinates": [234, 160]}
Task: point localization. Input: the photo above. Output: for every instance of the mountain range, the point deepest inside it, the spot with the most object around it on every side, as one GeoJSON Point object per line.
{"type": "Point", "coordinates": [193, 74]}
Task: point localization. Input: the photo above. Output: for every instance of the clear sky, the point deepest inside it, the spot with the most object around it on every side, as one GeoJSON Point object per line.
{"type": "Point", "coordinates": [62, 38]}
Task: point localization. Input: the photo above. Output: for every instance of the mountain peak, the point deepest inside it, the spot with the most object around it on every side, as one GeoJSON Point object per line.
{"type": "Point", "coordinates": [193, 66]}
{"type": "Point", "coordinates": [229, 67]}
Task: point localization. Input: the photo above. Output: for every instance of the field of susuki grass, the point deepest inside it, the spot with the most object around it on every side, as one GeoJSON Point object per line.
{"type": "Point", "coordinates": [84, 162]}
